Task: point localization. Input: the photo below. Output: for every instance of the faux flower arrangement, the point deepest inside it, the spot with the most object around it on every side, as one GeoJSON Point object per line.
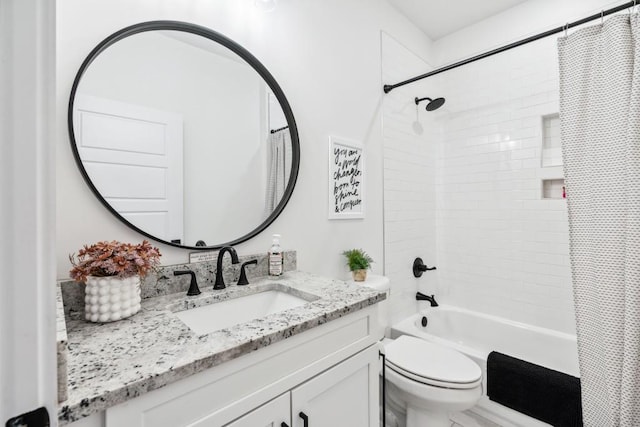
{"type": "Point", "coordinates": [105, 259]}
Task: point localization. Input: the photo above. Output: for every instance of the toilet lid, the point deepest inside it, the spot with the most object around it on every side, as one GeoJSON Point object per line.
{"type": "Point", "coordinates": [430, 363]}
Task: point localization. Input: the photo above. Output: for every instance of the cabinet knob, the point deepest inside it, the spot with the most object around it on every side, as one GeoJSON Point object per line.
{"type": "Point", "coordinates": [305, 419]}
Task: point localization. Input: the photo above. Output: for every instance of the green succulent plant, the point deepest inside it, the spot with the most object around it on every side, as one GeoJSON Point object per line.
{"type": "Point", "coordinates": [357, 259]}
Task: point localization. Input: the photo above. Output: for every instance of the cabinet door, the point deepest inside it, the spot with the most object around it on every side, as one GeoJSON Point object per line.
{"type": "Point", "coordinates": [276, 413]}
{"type": "Point", "coordinates": [344, 396]}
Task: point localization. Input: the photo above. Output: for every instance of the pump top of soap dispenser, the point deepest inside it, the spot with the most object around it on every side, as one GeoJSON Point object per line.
{"type": "Point", "coordinates": [276, 240]}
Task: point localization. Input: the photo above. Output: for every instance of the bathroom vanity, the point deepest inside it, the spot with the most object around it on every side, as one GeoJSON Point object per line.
{"type": "Point", "coordinates": [316, 361]}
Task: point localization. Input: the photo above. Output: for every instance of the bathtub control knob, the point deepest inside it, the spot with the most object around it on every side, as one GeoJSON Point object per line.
{"type": "Point", "coordinates": [424, 321]}
{"type": "Point", "coordinates": [419, 267]}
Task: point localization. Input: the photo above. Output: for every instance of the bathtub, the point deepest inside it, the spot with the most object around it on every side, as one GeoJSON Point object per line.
{"type": "Point", "coordinates": [476, 335]}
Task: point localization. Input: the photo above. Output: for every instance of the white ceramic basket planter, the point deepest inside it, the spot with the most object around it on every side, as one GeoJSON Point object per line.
{"type": "Point", "coordinates": [108, 299]}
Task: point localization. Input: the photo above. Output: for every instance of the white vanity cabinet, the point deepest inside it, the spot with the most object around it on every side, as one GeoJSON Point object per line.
{"type": "Point", "coordinates": [346, 395]}
{"type": "Point", "coordinates": [329, 373]}
{"type": "Point", "coordinates": [342, 396]}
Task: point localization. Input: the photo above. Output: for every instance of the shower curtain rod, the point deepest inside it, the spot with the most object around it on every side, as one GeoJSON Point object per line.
{"type": "Point", "coordinates": [389, 88]}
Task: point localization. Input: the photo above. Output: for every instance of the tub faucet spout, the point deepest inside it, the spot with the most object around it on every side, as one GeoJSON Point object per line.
{"type": "Point", "coordinates": [422, 297]}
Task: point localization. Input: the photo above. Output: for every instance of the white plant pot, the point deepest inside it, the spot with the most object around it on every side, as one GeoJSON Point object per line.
{"type": "Point", "coordinates": [108, 299]}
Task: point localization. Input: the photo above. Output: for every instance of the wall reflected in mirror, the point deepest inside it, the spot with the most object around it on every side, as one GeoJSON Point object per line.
{"type": "Point", "coordinates": [174, 131]}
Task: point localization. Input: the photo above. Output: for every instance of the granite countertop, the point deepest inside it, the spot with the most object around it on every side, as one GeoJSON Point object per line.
{"type": "Point", "coordinates": [110, 363]}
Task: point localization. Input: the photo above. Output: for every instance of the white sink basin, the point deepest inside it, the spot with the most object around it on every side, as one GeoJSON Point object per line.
{"type": "Point", "coordinates": [220, 315]}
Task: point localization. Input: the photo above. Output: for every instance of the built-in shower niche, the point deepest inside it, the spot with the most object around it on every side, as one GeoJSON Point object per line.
{"type": "Point", "coordinates": [553, 189]}
{"type": "Point", "coordinates": [551, 173]}
{"type": "Point", "coordinates": [551, 154]}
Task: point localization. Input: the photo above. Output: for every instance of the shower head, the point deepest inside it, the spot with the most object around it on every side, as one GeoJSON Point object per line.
{"type": "Point", "coordinates": [433, 104]}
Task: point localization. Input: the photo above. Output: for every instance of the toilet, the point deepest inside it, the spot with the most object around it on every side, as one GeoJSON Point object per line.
{"type": "Point", "coordinates": [424, 381]}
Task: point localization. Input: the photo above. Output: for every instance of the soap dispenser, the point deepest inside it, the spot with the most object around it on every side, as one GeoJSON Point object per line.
{"type": "Point", "coordinates": [275, 257]}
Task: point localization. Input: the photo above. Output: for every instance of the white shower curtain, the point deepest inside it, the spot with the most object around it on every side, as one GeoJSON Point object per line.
{"type": "Point", "coordinates": [600, 128]}
{"type": "Point", "coordinates": [279, 168]}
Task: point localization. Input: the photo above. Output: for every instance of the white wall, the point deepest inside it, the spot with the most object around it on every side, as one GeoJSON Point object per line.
{"type": "Point", "coordinates": [325, 55]}
{"type": "Point", "coordinates": [501, 248]}
{"type": "Point", "coordinates": [410, 138]}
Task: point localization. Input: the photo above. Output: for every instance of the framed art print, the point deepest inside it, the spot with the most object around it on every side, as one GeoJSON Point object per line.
{"type": "Point", "coordinates": [346, 179]}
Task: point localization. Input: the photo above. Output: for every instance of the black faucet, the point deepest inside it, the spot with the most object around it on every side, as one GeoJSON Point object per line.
{"type": "Point", "coordinates": [422, 297]}
{"type": "Point", "coordinates": [219, 284]}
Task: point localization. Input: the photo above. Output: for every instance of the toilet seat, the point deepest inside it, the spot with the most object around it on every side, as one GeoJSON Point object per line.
{"type": "Point", "coordinates": [432, 364]}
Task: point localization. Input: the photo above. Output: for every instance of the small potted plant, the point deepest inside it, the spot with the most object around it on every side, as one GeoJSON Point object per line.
{"type": "Point", "coordinates": [112, 272]}
{"type": "Point", "coordinates": [359, 262]}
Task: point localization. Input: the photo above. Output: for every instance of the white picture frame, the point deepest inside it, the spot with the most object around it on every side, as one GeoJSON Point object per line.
{"type": "Point", "coordinates": [346, 179]}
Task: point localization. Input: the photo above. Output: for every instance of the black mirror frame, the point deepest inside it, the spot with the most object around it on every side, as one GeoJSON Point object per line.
{"type": "Point", "coordinates": [240, 51]}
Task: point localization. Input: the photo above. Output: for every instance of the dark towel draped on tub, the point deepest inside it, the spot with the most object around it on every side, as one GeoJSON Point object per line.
{"type": "Point", "coordinates": [541, 393]}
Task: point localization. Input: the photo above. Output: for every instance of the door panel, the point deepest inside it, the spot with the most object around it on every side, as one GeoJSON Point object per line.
{"type": "Point", "coordinates": [115, 131]}
{"type": "Point", "coordinates": [133, 156]}
{"type": "Point", "coordinates": [344, 396]}
{"type": "Point", "coordinates": [129, 181]}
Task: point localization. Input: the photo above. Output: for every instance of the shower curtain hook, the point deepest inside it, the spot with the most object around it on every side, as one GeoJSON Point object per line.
{"type": "Point", "coordinates": [602, 17]}
{"type": "Point", "coordinates": [566, 27]}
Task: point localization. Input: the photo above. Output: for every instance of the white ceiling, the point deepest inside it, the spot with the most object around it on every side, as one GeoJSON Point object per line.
{"type": "Point", "coordinates": [437, 18]}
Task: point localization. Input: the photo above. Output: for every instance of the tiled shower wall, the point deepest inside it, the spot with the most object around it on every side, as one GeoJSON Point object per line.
{"type": "Point", "coordinates": [463, 187]}
{"type": "Point", "coordinates": [502, 248]}
{"type": "Point", "coordinates": [409, 179]}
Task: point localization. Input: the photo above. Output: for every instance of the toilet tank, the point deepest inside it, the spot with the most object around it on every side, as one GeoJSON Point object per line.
{"type": "Point", "coordinates": [382, 285]}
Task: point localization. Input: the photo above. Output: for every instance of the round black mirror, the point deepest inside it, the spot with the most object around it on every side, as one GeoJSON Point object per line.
{"type": "Point", "coordinates": [183, 135]}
